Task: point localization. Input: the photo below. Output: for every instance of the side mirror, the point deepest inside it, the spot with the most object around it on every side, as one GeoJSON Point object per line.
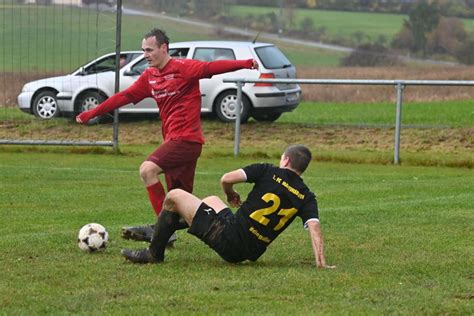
{"type": "Point", "coordinates": [82, 71]}
{"type": "Point", "coordinates": [129, 72]}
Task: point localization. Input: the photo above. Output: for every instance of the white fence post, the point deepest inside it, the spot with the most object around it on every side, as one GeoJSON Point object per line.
{"type": "Point", "coordinates": [398, 123]}
{"type": "Point", "coordinates": [238, 107]}
{"type": "Point", "coordinates": [118, 48]}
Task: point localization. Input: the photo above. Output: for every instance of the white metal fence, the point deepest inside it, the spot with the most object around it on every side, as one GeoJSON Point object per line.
{"type": "Point", "coordinates": [398, 84]}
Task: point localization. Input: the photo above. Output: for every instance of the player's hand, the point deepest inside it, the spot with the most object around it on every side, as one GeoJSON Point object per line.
{"type": "Point", "coordinates": [234, 199]}
{"type": "Point", "coordinates": [255, 64]}
{"type": "Point", "coordinates": [83, 118]}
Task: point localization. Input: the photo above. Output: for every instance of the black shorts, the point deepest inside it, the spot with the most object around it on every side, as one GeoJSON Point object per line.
{"type": "Point", "coordinates": [220, 231]}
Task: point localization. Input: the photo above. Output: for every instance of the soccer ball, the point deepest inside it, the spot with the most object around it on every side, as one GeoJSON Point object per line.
{"type": "Point", "coordinates": [92, 237]}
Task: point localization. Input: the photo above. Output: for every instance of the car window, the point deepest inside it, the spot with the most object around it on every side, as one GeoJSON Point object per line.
{"type": "Point", "coordinates": [125, 59]}
{"type": "Point", "coordinates": [179, 52]}
{"type": "Point", "coordinates": [102, 65]}
{"type": "Point", "coordinates": [135, 55]}
{"type": "Point", "coordinates": [211, 54]}
{"type": "Point", "coordinates": [139, 67]}
{"type": "Point", "coordinates": [272, 58]}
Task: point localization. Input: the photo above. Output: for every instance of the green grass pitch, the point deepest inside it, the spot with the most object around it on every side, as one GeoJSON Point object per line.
{"type": "Point", "coordinates": [401, 238]}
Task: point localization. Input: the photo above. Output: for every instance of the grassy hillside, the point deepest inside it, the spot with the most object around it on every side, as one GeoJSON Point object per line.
{"type": "Point", "coordinates": [340, 24]}
{"type": "Point", "coordinates": [59, 38]}
{"type": "Point", "coordinates": [37, 39]}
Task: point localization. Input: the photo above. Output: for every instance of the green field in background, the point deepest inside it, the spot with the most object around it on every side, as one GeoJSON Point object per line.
{"type": "Point", "coordinates": [341, 24]}
{"type": "Point", "coordinates": [453, 114]}
{"type": "Point", "coordinates": [424, 124]}
{"type": "Point", "coordinates": [60, 39]}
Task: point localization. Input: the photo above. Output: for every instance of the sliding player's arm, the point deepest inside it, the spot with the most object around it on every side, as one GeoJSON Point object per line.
{"type": "Point", "coordinates": [317, 243]}
{"type": "Point", "coordinates": [227, 183]}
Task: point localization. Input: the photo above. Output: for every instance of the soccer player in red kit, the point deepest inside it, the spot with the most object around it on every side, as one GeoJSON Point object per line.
{"type": "Point", "coordinates": [174, 84]}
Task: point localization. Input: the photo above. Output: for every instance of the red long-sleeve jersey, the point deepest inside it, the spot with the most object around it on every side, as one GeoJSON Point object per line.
{"type": "Point", "coordinates": [175, 89]}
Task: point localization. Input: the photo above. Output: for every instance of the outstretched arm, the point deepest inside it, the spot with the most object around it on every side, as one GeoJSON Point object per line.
{"type": "Point", "coordinates": [223, 66]}
{"type": "Point", "coordinates": [133, 94]}
{"type": "Point", "coordinates": [227, 183]}
{"type": "Point", "coordinates": [317, 242]}
{"type": "Point", "coordinates": [112, 103]}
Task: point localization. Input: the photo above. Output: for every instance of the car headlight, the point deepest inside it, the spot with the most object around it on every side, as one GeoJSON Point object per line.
{"type": "Point", "coordinates": [26, 88]}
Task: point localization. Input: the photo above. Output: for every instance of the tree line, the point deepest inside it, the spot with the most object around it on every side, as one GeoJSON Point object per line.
{"type": "Point", "coordinates": [426, 33]}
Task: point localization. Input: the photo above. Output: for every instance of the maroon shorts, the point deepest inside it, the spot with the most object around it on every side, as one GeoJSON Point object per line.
{"type": "Point", "coordinates": [178, 160]}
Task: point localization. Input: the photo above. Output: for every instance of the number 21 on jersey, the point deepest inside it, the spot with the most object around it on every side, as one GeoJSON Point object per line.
{"type": "Point", "coordinates": [286, 213]}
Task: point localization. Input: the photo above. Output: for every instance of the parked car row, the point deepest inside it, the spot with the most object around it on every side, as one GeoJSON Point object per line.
{"type": "Point", "coordinates": [94, 82]}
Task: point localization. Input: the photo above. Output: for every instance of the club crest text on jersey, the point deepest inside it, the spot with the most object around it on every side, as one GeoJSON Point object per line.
{"type": "Point", "coordinates": [288, 187]}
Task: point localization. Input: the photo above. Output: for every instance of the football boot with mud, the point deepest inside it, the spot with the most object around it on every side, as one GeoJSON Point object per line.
{"type": "Point", "coordinates": [138, 233]}
{"type": "Point", "coordinates": [144, 233]}
{"type": "Point", "coordinates": [142, 256]}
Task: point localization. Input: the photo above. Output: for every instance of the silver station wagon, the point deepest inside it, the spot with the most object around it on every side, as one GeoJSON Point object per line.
{"type": "Point", "coordinates": [94, 82]}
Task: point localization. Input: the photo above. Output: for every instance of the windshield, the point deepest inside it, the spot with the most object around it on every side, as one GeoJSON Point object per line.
{"type": "Point", "coordinates": [272, 57]}
{"type": "Point", "coordinates": [108, 63]}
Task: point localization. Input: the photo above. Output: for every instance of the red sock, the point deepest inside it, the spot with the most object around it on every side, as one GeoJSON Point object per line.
{"type": "Point", "coordinates": [156, 194]}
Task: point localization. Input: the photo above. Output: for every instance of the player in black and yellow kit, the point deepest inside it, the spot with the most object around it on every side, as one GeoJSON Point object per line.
{"type": "Point", "coordinates": [279, 195]}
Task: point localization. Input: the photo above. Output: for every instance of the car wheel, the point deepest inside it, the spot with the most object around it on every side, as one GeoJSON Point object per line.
{"type": "Point", "coordinates": [226, 107]}
{"type": "Point", "coordinates": [88, 101]}
{"type": "Point", "coordinates": [45, 105]}
{"type": "Point", "coordinates": [270, 117]}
